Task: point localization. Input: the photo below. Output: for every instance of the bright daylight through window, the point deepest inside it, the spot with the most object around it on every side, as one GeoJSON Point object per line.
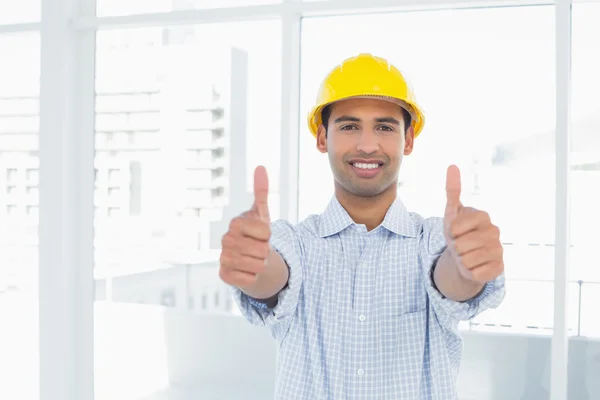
{"type": "Point", "coordinates": [460, 64]}
{"type": "Point", "coordinates": [19, 183]}
{"type": "Point", "coordinates": [180, 123]}
{"type": "Point", "coordinates": [585, 170]}
{"type": "Point", "coordinates": [23, 11]}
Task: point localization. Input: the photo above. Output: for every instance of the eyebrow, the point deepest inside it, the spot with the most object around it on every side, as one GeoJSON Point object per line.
{"type": "Point", "coordinates": [347, 118]}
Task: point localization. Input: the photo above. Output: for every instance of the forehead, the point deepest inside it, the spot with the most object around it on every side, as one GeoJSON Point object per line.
{"type": "Point", "coordinates": [366, 107]}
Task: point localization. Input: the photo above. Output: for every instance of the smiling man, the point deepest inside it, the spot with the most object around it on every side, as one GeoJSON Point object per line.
{"type": "Point", "coordinates": [365, 298]}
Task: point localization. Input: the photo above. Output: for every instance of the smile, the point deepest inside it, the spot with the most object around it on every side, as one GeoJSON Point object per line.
{"type": "Point", "coordinates": [366, 169]}
{"type": "Point", "coordinates": [366, 166]}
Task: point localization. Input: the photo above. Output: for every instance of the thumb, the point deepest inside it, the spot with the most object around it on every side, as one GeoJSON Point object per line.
{"type": "Point", "coordinates": [453, 188]}
{"type": "Point", "coordinates": [261, 193]}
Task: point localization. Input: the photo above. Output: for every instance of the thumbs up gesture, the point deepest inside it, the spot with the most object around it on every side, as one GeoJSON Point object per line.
{"type": "Point", "coordinates": [245, 247]}
{"type": "Point", "coordinates": [473, 241]}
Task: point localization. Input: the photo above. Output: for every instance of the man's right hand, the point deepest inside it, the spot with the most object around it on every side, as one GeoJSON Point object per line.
{"type": "Point", "coordinates": [245, 247]}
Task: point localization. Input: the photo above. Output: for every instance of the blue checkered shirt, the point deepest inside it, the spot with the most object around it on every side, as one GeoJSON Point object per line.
{"type": "Point", "coordinates": [360, 317]}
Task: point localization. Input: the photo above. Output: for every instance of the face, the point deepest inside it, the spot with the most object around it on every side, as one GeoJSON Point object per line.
{"type": "Point", "coordinates": [366, 142]}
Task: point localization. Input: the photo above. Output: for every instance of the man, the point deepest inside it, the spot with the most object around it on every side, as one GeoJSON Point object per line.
{"type": "Point", "coordinates": [365, 299]}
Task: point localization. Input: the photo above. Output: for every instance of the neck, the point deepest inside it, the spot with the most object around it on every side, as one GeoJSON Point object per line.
{"type": "Point", "coordinates": [369, 211]}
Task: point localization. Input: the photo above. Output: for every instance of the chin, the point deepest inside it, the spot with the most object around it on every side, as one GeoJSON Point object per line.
{"type": "Point", "coordinates": [366, 191]}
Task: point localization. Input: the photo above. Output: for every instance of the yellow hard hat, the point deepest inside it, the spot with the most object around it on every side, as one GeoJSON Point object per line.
{"type": "Point", "coordinates": [366, 76]}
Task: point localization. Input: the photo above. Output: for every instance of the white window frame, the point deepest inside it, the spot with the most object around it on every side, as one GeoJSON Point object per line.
{"type": "Point", "coordinates": [66, 151]}
{"type": "Point", "coordinates": [66, 290]}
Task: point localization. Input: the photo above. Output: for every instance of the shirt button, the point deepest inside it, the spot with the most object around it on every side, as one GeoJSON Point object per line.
{"type": "Point", "coordinates": [362, 318]}
{"type": "Point", "coordinates": [360, 372]}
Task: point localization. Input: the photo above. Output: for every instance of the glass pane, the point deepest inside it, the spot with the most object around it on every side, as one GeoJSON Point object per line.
{"type": "Point", "coordinates": [181, 122]}
{"type": "Point", "coordinates": [488, 95]}
{"type": "Point", "coordinates": [17, 12]}
{"type": "Point", "coordinates": [128, 7]}
{"type": "Point", "coordinates": [584, 347]}
{"type": "Point", "coordinates": [19, 180]}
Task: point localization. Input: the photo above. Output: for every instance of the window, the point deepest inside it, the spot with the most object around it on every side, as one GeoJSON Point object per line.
{"type": "Point", "coordinates": [11, 174]}
{"type": "Point", "coordinates": [19, 80]}
{"type": "Point", "coordinates": [485, 112]}
{"type": "Point", "coordinates": [585, 160]}
{"type": "Point", "coordinates": [585, 214]}
{"type": "Point", "coordinates": [224, 92]}
{"type": "Point", "coordinates": [114, 175]}
{"type": "Point", "coordinates": [33, 175]}
{"type": "Point", "coordinates": [199, 177]}
{"type": "Point", "coordinates": [33, 191]}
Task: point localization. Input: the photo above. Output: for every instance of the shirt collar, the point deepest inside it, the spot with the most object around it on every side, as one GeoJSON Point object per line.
{"type": "Point", "coordinates": [397, 219]}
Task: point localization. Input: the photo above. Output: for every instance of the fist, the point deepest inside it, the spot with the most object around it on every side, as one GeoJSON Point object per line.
{"type": "Point", "coordinates": [245, 247]}
{"type": "Point", "coordinates": [473, 241]}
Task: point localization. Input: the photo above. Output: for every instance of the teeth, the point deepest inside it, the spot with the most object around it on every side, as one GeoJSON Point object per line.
{"type": "Point", "coordinates": [366, 166]}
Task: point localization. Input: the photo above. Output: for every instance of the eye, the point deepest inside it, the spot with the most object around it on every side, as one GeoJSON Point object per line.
{"type": "Point", "coordinates": [348, 127]}
{"type": "Point", "coordinates": [386, 128]}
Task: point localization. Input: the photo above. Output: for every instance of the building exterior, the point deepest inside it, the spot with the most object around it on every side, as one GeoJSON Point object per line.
{"type": "Point", "coordinates": [163, 143]}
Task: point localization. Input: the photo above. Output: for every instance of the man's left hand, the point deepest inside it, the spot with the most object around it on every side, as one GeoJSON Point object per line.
{"type": "Point", "coordinates": [472, 239]}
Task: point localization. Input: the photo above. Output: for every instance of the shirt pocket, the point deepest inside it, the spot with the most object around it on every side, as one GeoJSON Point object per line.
{"type": "Point", "coordinates": [401, 280]}
{"type": "Point", "coordinates": [404, 293]}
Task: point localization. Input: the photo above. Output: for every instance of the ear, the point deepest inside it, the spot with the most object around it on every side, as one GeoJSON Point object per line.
{"type": "Point", "coordinates": [322, 139]}
{"type": "Point", "coordinates": [409, 140]}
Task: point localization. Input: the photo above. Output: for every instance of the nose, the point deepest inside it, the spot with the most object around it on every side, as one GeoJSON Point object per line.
{"type": "Point", "coordinates": [367, 142]}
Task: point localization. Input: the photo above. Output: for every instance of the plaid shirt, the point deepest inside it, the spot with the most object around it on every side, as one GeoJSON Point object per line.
{"type": "Point", "coordinates": [360, 317]}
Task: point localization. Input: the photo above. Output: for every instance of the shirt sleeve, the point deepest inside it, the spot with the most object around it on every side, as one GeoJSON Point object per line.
{"type": "Point", "coordinates": [449, 312]}
{"type": "Point", "coordinates": [277, 319]}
